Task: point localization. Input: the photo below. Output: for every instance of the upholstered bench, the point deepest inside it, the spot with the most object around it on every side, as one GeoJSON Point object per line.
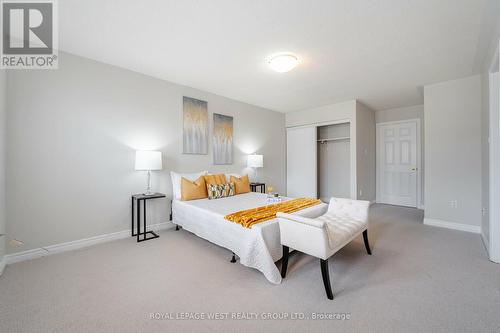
{"type": "Point", "coordinates": [322, 237]}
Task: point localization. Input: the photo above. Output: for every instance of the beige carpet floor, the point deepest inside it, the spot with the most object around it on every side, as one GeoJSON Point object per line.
{"type": "Point", "coordinates": [419, 279]}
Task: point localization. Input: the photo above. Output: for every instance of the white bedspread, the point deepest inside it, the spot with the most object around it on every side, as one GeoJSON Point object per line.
{"type": "Point", "coordinates": [258, 247]}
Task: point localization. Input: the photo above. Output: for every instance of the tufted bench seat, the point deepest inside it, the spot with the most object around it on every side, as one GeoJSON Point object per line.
{"type": "Point", "coordinates": [323, 236]}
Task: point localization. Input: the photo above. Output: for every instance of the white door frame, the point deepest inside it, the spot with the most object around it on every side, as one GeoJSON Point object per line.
{"type": "Point", "coordinates": [494, 175]}
{"type": "Point", "coordinates": [419, 157]}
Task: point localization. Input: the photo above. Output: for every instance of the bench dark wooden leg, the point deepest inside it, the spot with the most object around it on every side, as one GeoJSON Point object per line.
{"type": "Point", "coordinates": [233, 259]}
{"type": "Point", "coordinates": [284, 261]}
{"type": "Point", "coordinates": [367, 245]}
{"type": "Point", "coordinates": [326, 278]}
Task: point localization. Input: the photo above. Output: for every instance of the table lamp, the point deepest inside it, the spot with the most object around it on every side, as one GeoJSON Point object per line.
{"type": "Point", "coordinates": [148, 161]}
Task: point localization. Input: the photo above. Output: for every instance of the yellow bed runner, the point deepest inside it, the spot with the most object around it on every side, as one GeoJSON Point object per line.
{"type": "Point", "coordinates": [247, 218]}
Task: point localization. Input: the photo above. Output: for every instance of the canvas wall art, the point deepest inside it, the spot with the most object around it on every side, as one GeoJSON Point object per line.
{"type": "Point", "coordinates": [223, 139]}
{"type": "Point", "coordinates": [195, 134]}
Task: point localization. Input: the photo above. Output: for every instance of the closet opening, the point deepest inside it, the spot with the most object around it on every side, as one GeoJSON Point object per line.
{"type": "Point", "coordinates": [334, 161]}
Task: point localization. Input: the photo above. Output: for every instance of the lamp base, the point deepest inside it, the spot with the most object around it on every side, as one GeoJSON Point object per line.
{"type": "Point", "coordinates": [148, 189]}
{"type": "Point", "coordinates": [255, 175]}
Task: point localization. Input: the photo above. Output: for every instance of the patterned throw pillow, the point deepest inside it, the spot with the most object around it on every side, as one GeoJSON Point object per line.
{"type": "Point", "coordinates": [217, 191]}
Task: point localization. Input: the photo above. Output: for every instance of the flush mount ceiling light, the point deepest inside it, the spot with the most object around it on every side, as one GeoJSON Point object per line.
{"type": "Point", "coordinates": [283, 62]}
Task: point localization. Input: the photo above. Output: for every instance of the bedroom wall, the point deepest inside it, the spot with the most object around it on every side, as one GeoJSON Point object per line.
{"type": "Point", "coordinates": [453, 151]}
{"type": "Point", "coordinates": [398, 114]}
{"type": "Point", "coordinates": [366, 150]}
{"type": "Point", "coordinates": [3, 105]}
{"type": "Point", "coordinates": [327, 113]}
{"type": "Point", "coordinates": [72, 135]}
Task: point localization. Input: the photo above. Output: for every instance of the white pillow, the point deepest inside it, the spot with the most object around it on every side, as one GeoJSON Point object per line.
{"type": "Point", "coordinates": [176, 181]}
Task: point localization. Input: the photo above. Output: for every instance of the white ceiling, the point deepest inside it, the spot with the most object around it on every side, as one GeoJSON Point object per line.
{"type": "Point", "coordinates": [380, 52]}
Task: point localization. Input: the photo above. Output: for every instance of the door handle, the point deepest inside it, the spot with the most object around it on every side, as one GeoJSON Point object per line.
{"type": "Point", "coordinates": [414, 169]}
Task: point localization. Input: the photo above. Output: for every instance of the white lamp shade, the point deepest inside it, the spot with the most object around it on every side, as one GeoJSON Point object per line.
{"type": "Point", "coordinates": [255, 161]}
{"type": "Point", "coordinates": [148, 160]}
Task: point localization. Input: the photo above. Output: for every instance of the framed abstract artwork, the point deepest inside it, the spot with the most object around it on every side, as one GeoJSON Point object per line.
{"type": "Point", "coordinates": [223, 139]}
{"type": "Point", "coordinates": [195, 126]}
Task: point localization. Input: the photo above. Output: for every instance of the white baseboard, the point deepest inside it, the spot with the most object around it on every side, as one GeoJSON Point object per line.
{"type": "Point", "coordinates": [24, 255]}
{"type": "Point", "coordinates": [78, 244]}
{"type": "Point", "coordinates": [2, 265]}
{"type": "Point", "coordinates": [452, 225]}
{"type": "Point", "coordinates": [494, 259]}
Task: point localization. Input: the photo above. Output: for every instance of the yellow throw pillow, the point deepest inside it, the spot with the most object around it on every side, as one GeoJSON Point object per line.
{"type": "Point", "coordinates": [218, 179]}
{"type": "Point", "coordinates": [192, 190]}
{"type": "Point", "coordinates": [241, 184]}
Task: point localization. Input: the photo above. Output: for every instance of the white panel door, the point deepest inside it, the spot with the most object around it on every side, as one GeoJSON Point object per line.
{"type": "Point", "coordinates": [397, 163]}
{"type": "Point", "coordinates": [301, 159]}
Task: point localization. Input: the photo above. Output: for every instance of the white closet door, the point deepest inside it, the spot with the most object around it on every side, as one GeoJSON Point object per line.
{"type": "Point", "coordinates": [301, 171]}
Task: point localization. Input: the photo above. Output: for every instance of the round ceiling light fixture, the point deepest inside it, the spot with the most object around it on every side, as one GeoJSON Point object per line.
{"type": "Point", "coordinates": [283, 62]}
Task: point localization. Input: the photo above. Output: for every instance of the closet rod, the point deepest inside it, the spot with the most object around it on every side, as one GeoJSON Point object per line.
{"type": "Point", "coordinates": [334, 139]}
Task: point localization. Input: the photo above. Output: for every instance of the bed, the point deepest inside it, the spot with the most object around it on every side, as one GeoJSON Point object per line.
{"type": "Point", "coordinates": [258, 247]}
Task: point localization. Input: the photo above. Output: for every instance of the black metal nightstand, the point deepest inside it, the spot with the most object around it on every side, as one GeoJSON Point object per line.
{"type": "Point", "coordinates": [261, 186]}
{"type": "Point", "coordinates": [136, 199]}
